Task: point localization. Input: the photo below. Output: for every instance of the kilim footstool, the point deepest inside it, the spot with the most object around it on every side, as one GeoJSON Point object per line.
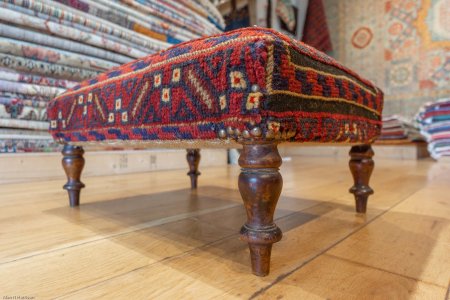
{"type": "Point", "coordinates": [252, 87]}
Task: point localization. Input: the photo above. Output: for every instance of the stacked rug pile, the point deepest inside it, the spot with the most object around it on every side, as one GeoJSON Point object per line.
{"type": "Point", "coordinates": [434, 120]}
{"type": "Point", "coordinates": [48, 46]}
{"type": "Point", "coordinates": [397, 129]}
{"type": "Point", "coordinates": [393, 129]}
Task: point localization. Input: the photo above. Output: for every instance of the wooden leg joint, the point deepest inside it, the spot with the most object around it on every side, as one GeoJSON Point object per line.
{"type": "Point", "coordinates": [361, 165]}
{"type": "Point", "coordinates": [193, 157]}
{"type": "Point", "coordinates": [260, 186]}
{"type": "Point", "coordinates": [73, 163]}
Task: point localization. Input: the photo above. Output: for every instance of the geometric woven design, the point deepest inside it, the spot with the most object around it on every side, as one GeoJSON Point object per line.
{"type": "Point", "coordinates": [243, 79]}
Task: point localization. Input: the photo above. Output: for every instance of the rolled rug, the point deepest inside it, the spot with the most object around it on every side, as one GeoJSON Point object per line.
{"type": "Point", "coordinates": [128, 20]}
{"type": "Point", "coordinates": [24, 20]}
{"type": "Point", "coordinates": [175, 19]}
{"type": "Point", "coordinates": [174, 33]}
{"type": "Point", "coordinates": [34, 37]}
{"type": "Point", "coordinates": [53, 55]}
{"type": "Point", "coordinates": [8, 95]}
{"type": "Point", "coordinates": [45, 69]}
{"type": "Point", "coordinates": [67, 13]}
{"type": "Point", "coordinates": [80, 27]}
{"type": "Point", "coordinates": [195, 17]}
{"type": "Point", "coordinates": [30, 89]}
{"type": "Point", "coordinates": [24, 101]}
{"type": "Point", "coordinates": [54, 20]}
{"type": "Point", "coordinates": [15, 109]}
{"type": "Point", "coordinates": [213, 14]}
{"type": "Point", "coordinates": [13, 75]}
{"type": "Point", "coordinates": [204, 8]}
{"type": "Point", "coordinates": [24, 124]}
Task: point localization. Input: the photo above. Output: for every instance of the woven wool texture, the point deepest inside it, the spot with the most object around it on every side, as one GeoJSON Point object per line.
{"type": "Point", "coordinates": [48, 46]}
{"type": "Point", "coordinates": [244, 78]}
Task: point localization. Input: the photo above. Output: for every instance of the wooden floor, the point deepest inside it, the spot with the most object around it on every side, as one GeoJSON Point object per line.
{"type": "Point", "coordinates": [147, 236]}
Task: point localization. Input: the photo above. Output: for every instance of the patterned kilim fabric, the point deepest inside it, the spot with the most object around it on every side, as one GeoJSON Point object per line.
{"type": "Point", "coordinates": [243, 79]}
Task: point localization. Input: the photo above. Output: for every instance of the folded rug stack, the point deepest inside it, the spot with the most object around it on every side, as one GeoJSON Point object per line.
{"type": "Point", "coordinates": [397, 129]}
{"type": "Point", "coordinates": [434, 120]}
{"type": "Point", "coordinates": [48, 46]}
{"type": "Point", "coordinates": [393, 129]}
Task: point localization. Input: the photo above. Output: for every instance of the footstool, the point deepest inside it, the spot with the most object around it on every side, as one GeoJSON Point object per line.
{"type": "Point", "coordinates": [251, 87]}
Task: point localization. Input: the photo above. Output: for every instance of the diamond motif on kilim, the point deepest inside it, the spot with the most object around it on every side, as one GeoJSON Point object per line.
{"type": "Point", "coordinates": [165, 95]}
{"type": "Point", "coordinates": [237, 80]}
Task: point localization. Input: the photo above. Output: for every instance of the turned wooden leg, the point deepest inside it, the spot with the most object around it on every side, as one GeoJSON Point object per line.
{"type": "Point", "coordinates": [361, 166]}
{"type": "Point", "coordinates": [73, 163]}
{"type": "Point", "coordinates": [260, 186]}
{"type": "Point", "coordinates": [193, 158]}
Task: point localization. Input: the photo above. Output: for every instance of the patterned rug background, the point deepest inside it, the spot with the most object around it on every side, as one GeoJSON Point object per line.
{"type": "Point", "coordinates": [403, 46]}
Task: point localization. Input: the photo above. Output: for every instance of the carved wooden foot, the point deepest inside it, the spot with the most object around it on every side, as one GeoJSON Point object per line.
{"type": "Point", "coordinates": [260, 186]}
{"type": "Point", "coordinates": [73, 163]}
{"type": "Point", "coordinates": [193, 158]}
{"type": "Point", "coordinates": [361, 166]}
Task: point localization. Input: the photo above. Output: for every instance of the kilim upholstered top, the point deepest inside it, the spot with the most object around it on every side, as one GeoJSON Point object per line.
{"type": "Point", "coordinates": [241, 80]}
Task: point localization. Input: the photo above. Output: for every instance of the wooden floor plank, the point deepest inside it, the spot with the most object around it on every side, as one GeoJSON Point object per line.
{"type": "Point", "coordinates": [306, 233]}
{"type": "Point", "coordinates": [61, 227]}
{"type": "Point", "coordinates": [149, 236]}
{"type": "Point", "coordinates": [407, 247]}
{"type": "Point", "coordinates": [73, 268]}
{"type": "Point", "coordinates": [415, 237]}
{"type": "Point", "coordinates": [330, 277]}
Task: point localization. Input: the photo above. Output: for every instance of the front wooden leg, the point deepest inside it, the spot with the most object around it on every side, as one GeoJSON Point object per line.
{"type": "Point", "coordinates": [260, 186]}
{"type": "Point", "coordinates": [361, 166]}
{"type": "Point", "coordinates": [193, 158]}
{"type": "Point", "coordinates": [73, 163]}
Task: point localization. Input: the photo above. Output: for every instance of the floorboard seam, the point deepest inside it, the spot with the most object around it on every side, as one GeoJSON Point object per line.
{"type": "Point", "coordinates": [383, 270]}
{"type": "Point", "coordinates": [167, 258]}
{"type": "Point", "coordinates": [207, 245]}
{"type": "Point", "coordinates": [149, 265]}
{"type": "Point", "coordinates": [142, 226]}
{"type": "Point", "coordinates": [283, 276]}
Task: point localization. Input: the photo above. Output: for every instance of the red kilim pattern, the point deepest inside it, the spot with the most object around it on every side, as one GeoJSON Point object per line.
{"type": "Point", "coordinates": [244, 78]}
